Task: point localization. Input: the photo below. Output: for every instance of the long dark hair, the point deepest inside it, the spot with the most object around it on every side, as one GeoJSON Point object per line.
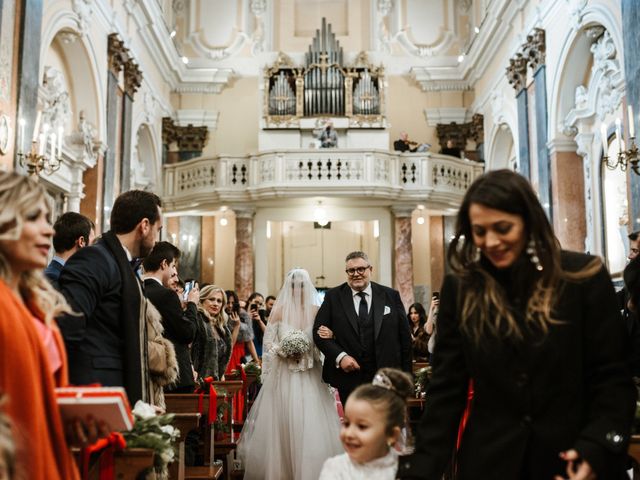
{"type": "Point", "coordinates": [422, 314]}
{"type": "Point", "coordinates": [484, 304]}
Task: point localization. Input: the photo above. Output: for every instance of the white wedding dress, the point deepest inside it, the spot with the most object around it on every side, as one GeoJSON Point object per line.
{"type": "Point", "coordinates": [293, 426]}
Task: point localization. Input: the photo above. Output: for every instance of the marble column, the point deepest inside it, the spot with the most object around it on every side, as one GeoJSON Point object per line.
{"type": "Point", "coordinates": [243, 277]}
{"type": "Point", "coordinates": [403, 259]}
{"type": "Point", "coordinates": [91, 203]}
{"type": "Point", "coordinates": [29, 64]}
{"type": "Point", "coordinates": [568, 195]}
{"type": "Point", "coordinates": [631, 40]}
{"type": "Point", "coordinates": [544, 167]}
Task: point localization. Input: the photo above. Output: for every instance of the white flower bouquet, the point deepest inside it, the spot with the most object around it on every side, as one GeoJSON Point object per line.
{"type": "Point", "coordinates": [294, 344]}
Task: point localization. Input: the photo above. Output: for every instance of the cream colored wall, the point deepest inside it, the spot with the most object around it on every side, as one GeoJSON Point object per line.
{"type": "Point", "coordinates": [421, 250]}
{"type": "Point", "coordinates": [297, 20]}
{"type": "Point", "coordinates": [406, 103]}
{"type": "Point", "coordinates": [239, 113]}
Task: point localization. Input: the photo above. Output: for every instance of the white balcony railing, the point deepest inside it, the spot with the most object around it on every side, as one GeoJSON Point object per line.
{"type": "Point", "coordinates": [439, 181]}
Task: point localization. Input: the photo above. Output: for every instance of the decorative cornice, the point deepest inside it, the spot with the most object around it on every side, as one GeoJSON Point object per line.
{"type": "Point", "coordinates": [476, 128]}
{"type": "Point", "coordinates": [424, 76]}
{"type": "Point", "coordinates": [206, 118]}
{"type": "Point", "coordinates": [189, 138]}
{"type": "Point", "coordinates": [435, 116]}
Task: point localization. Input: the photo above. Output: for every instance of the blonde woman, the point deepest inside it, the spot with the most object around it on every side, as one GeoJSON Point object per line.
{"type": "Point", "coordinates": [32, 354]}
{"type": "Point", "coordinates": [211, 349]}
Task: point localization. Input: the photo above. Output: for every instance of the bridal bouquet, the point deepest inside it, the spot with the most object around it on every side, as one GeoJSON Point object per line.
{"type": "Point", "coordinates": [295, 344]}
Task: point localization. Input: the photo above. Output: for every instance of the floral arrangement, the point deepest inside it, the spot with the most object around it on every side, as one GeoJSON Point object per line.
{"type": "Point", "coordinates": [254, 369]}
{"type": "Point", "coordinates": [421, 380]}
{"type": "Point", "coordinates": [295, 344]}
{"type": "Point", "coordinates": [154, 431]}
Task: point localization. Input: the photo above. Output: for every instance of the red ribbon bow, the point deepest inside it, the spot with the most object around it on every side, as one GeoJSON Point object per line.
{"type": "Point", "coordinates": [115, 442]}
{"type": "Point", "coordinates": [213, 400]}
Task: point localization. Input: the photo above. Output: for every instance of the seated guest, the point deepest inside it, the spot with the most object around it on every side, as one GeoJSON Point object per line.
{"type": "Point", "coordinates": [406, 145]}
{"type": "Point", "coordinates": [419, 337]}
{"type": "Point", "coordinates": [451, 149]}
{"type": "Point", "coordinates": [33, 356]}
{"type": "Point", "coordinates": [160, 275]}
{"type": "Point", "coordinates": [211, 348]}
{"type": "Point", "coordinates": [105, 340]}
{"type": "Point", "coordinates": [72, 231]}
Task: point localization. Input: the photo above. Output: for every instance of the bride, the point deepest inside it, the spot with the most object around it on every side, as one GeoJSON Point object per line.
{"type": "Point", "coordinates": [294, 418]}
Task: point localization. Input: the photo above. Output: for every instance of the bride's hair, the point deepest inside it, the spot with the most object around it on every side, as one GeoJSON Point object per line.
{"type": "Point", "coordinates": [297, 301]}
{"type": "Point", "coordinates": [388, 392]}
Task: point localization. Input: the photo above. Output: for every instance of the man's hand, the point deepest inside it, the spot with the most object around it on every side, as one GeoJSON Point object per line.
{"type": "Point", "coordinates": [349, 364]}
{"type": "Point", "coordinates": [577, 468]}
{"type": "Point", "coordinates": [194, 294]}
{"type": "Point", "coordinates": [325, 332]}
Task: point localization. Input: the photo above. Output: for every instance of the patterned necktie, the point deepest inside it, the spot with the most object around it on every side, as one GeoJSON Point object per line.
{"type": "Point", "coordinates": [363, 310]}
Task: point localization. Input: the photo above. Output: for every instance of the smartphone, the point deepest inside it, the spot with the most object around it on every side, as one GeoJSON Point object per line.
{"type": "Point", "coordinates": [187, 288]}
{"type": "Point", "coordinates": [253, 307]}
{"type": "Point", "coordinates": [436, 295]}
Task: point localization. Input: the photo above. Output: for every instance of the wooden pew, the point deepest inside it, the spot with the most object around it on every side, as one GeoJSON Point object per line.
{"type": "Point", "coordinates": [188, 403]}
{"type": "Point", "coordinates": [128, 463]}
{"type": "Point", "coordinates": [185, 422]}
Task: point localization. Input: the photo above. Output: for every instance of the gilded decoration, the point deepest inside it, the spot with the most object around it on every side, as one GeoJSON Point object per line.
{"type": "Point", "coordinates": [188, 139]}
{"type": "Point", "coordinates": [324, 86]}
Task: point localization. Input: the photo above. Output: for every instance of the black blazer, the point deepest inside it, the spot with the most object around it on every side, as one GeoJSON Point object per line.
{"type": "Point", "coordinates": [532, 399]}
{"type": "Point", "coordinates": [392, 337]}
{"type": "Point", "coordinates": [106, 341]}
{"type": "Point", "coordinates": [53, 271]}
{"type": "Point", "coordinates": [179, 326]}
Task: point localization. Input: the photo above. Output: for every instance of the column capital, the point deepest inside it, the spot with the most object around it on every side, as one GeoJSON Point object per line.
{"type": "Point", "coordinates": [242, 211]}
{"type": "Point", "coordinates": [400, 211]}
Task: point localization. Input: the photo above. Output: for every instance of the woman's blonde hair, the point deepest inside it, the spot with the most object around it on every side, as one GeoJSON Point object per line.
{"type": "Point", "coordinates": [485, 308]}
{"type": "Point", "coordinates": [18, 196]}
{"type": "Point", "coordinates": [207, 292]}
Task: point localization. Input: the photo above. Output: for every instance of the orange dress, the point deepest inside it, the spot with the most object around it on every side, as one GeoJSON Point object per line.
{"type": "Point", "coordinates": [27, 382]}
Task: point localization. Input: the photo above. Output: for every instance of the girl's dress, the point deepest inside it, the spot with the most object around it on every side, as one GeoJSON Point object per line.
{"type": "Point", "coordinates": [342, 467]}
{"type": "Point", "coordinates": [293, 426]}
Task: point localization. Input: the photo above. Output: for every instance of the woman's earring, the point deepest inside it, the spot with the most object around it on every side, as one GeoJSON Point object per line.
{"type": "Point", "coordinates": [533, 255]}
{"type": "Point", "coordinates": [476, 256]}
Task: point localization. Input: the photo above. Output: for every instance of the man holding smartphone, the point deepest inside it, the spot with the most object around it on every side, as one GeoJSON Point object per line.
{"type": "Point", "coordinates": [160, 267]}
{"type": "Point", "coordinates": [258, 322]}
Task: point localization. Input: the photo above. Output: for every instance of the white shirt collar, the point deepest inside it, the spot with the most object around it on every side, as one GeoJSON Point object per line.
{"type": "Point", "coordinates": [126, 250]}
{"type": "Point", "coordinates": [366, 290]}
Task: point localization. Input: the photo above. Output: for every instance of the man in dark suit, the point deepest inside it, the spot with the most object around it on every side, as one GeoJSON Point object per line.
{"type": "Point", "coordinates": [160, 270]}
{"type": "Point", "coordinates": [369, 329]}
{"type": "Point", "coordinates": [73, 231]}
{"type": "Point", "coordinates": [107, 342]}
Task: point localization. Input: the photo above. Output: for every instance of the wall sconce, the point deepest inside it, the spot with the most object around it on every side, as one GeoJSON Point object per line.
{"type": "Point", "coordinates": [320, 215]}
{"type": "Point", "coordinates": [420, 219]}
{"type": "Point", "coordinates": [625, 158]}
{"type": "Point", "coordinates": [38, 158]}
{"type": "Point", "coordinates": [223, 221]}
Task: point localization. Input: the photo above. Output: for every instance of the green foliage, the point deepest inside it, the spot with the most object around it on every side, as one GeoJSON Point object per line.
{"type": "Point", "coordinates": [421, 379]}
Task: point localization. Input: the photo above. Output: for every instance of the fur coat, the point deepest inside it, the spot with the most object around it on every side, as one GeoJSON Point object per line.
{"type": "Point", "coordinates": [163, 364]}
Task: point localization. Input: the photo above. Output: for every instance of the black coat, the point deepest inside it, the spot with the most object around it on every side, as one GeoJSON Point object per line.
{"type": "Point", "coordinates": [53, 271]}
{"type": "Point", "coordinates": [179, 326]}
{"type": "Point", "coordinates": [106, 343]}
{"type": "Point", "coordinates": [392, 337]}
{"type": "Point", "coordinates": [532, 399]}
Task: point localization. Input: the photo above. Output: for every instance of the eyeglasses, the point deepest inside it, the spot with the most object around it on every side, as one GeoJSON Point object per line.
{"type": "Point", "coordinates": [359, 270]}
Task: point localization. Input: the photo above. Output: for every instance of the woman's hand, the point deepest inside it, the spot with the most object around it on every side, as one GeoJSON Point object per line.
{"type": "Point", "coordinates": [235, 320]}
{"type": "Point", "coordinates": [83, 432]}
{"type": "Point", "coordinates": [575, 470]}
{"type": "Point", "coordinates": [325, 332]}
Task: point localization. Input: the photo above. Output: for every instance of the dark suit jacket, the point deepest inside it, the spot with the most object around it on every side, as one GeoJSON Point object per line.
{"type": "Point", "coordinates": [392, 337]}
{"type": "Point", "coordinates": [179, 326]}
{"type": "Point", "coordinates": [52, 272]}
{"type": "Point", "coordinates": [570, 388]}
{"type": "Point", "coordinates": [106, 343]}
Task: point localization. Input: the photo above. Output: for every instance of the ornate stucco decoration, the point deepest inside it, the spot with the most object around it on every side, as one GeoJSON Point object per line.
{"type": "Point", "coordinates": [535, 48]}
{"type": "Point", "coordinates": [188, 139]}
{"type": "Point", "coordinates": [132, 77]}
{"type": "Point", "coordinates": [56, 104]}
{"type": "Point", "coordinates": [85, 142]}
{"type": "Point", "coordinates": [517, 71]}
{"type": "Point", "coordinates": [459, 133]}
{"type": "Point", "coordinates": [117, 52]}
{"type": "Point", "coordinates": [83, 10]}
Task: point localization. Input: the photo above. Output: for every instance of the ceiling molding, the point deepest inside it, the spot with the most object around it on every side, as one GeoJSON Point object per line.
{"type": "Point", "coordinates": [435, 116]}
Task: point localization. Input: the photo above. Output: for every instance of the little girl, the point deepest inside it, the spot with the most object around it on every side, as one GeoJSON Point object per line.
{"type": "Point", "coordinates": [373, 419]}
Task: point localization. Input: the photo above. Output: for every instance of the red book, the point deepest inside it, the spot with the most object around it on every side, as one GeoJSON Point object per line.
{"type": "Point", "coordinates": [108, 404]}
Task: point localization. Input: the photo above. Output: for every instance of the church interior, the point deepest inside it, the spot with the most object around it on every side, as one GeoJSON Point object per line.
{"type": "Point", "coordinates": [215, 106]}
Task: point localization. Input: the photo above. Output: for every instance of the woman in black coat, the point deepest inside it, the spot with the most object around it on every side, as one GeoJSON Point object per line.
{"type": "Point", "coordinates": [538, 333]}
